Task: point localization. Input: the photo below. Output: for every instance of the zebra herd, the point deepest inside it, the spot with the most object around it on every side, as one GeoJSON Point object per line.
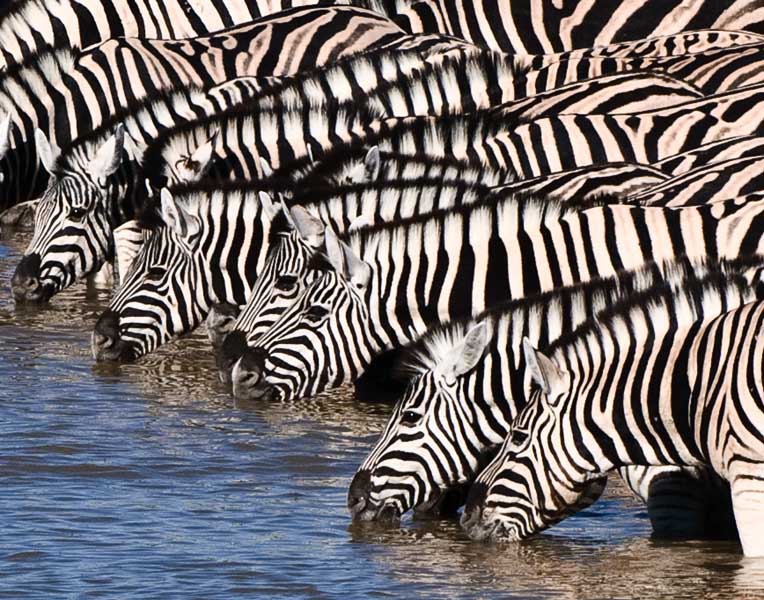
{"type": "Point", "coordinates": [537, 227]}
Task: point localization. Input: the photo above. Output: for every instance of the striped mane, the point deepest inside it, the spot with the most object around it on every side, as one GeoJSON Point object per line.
{"type": "Point", "coordinates": [650, 281]}
{"type": "Point", "coordinates": [691, 297]}
{"type": "Point", "coordinates": [44, 68]}
{"type": "Point", "coordinates": [176, 143]}
{"type": "Point", "coordinates": [144, 111]}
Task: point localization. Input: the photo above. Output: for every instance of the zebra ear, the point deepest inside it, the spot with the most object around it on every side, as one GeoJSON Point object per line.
{"type": "Point", "coordinates": [176, 217]}
{"type": "Point", "coordinates": [109, 155]}
{"type": "Point", "coordinates": [371, 164]}
{"type": "Point", "coordinates": [266, 168]}
{"type": "Point", "coordinates": [310, 229]}
{"type": "Point", "coordinates": [270, 206]}
{"type": "Point", "coordinates": [360, 221]}
{"type": "Point", "coordinates": [5, 135]}
{"type": "Point", "coordinates": [48, 152]}
{"type": "Point", "coordinates": [195, 166]}
{"type": "Point", "coordinates": [334, 252]}
{"type": "Point", "coordinates": [357, 271]}
{"type": "Point", "coordinates": [542, 369]}
{"type": "Point", "coordinates": [466, 355]}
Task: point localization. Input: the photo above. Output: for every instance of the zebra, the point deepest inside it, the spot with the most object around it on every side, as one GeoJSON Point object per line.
{"type": "Point", "coordinates": [289, 266]}
{"type": "Point", "coordinates": [547, 28]}
{"type": "Point", "coordinates": [392, 282]}
{"type": "Point", "coordinates": [564, 142]}
{"type": "Point", "coordinates": [27, 26]}
{"type": "Point", "coordinates": [467, 383]}
{"type": "Point", "coordinates": [146, 318]}
{"type": "Point", "coordinates": [684, 364]}
{"type": "Point", "coordinates": [724, 180]}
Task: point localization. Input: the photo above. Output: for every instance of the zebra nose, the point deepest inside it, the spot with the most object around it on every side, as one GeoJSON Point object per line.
{"type": "Point", "coordinates": [231, 350]}
{"type": "Point", "coordinates": [220, 322]}
{"type": "Point", "coordinates": [247, 375]}
{"type": "Point", "coordinates": [106, 340]}
{"type": "Point", "coordinates": [25, 283]}
{"type": "Point", "coordinates": [358, 493]}
{"type": "Point", "coordinates": [474, 507]}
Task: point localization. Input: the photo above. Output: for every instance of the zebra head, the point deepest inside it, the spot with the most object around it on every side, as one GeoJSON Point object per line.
{"type": "Point", "coordinates": [432, 446]}
{"type": "Point", "coordinates": [532, 484]}
{"type": "Point", "coordinates": [184, 266]}
{"type": "Point", "coordinates": [74, 219]}
{"type": "Point", "coordinates": [295, 238]}
{"type": "Point", "coordinates": [322, 340]}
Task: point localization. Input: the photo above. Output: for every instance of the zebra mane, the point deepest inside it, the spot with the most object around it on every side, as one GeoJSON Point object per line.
{"type": "Point", "coordinates": [173, 144]}
{"type": "Point", "coordinates": [44, 68]}
{"type": "Point", "coordinates": [634, 287]}
{"type": "Point", "coordinates": [533, 210]}
{"type": "Point", "coordinates": [692, 296]}
{"type": "Point", "coordinates": [148, 108]}
{"type": "Point", "coordinates": [18, 15]}
{"type": "Point", "coordinates": [308, 87]}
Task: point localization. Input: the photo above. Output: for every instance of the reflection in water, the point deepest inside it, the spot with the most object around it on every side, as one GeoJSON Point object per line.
{"type": "Point", "coordinates": [119, 476]}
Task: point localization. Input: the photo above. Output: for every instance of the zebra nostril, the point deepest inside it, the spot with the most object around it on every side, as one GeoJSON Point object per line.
{"type": "Point", "coordinates": [358, 492]}
{"type": "Point", "coordinates": [106, 338]}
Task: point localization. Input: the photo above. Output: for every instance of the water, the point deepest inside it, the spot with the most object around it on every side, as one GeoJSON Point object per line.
{"type": "Point", "coordinates": [149, 481]}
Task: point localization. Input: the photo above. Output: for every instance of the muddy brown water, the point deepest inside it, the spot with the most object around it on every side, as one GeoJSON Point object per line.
{"type": "Point", "coordinates": [149, 481]}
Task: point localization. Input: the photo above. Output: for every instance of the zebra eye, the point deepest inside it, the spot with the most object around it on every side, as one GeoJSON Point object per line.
{"type": "Point", "coordinates": [409, 417]}
{"type": "Point", "coordinates": [156, 273]}
{"type": "Point", "coordinates": [518, 437]}
{"type": "Point", "coordinates": [316, 314]}
{"type": "Point", "coordinates": [77, 214]}
{"type": "Point", "coordinates": [285, 282]}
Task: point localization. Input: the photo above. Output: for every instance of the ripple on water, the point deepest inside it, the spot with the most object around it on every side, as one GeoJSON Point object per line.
{"type": "Point", "coordinates": [148, 480]}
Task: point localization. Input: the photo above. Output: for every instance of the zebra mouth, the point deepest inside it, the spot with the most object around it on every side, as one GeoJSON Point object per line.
{"type": "Point", "coordinates": [249, 377]}
{"type": "Point", "coordinates": [361, 511]}
{"type": "Point", "coordinates": [39, 294]}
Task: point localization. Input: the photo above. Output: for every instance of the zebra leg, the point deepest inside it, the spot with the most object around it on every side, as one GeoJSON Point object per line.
{"type": "Point", "coordinates": [747, 482]}
{"type": "Point", "coordinates": [683, 502]}
{"type": "Point", "coordinates": [220, 322]}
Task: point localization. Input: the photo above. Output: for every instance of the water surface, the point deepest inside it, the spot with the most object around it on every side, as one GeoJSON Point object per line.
{"type": "Point", "coordinates": [149, 481]}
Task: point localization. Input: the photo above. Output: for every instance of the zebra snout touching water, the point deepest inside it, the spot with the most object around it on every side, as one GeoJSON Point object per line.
{"type": "Point", "coordinates": [185, 265]}
{"type": "Point", "coordinates": [25, 283]}
{"type": "Point", "coordinates": [666, 382]}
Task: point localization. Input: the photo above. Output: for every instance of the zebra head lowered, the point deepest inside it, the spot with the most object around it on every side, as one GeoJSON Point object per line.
{"type": "Point", "coordinates": [296, 236]}
{"type": "Point", "coordinates": [523, 494]}
{"type": "Point", "coordinates": [205, 247]}
{"type": "Point", "coordinates": [74, 219]}
{"type": "Point", "coordinates": [425, 459]}
{"type": "Point", "coordinates": [321, 340]}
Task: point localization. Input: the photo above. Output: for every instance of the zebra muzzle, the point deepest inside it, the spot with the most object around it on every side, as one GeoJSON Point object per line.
{"type": "Point", "coordinates": [248, 376]}
{"type": "Point", "coordinates": [220, 321]}
{"type": "Point", "coordinates": [25, 283]}
{"type": "Point", "coordinates": [106, 342]}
